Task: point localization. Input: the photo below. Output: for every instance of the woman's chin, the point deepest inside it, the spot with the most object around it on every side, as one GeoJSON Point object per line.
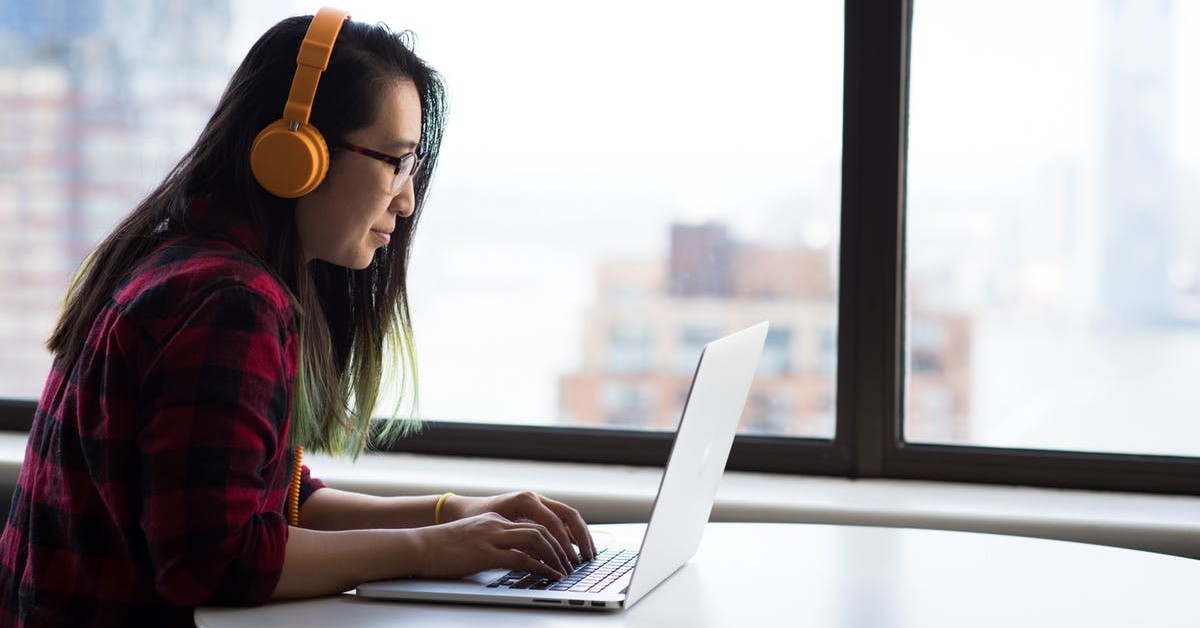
{"type": "Point", "coordinates": [358, 261]}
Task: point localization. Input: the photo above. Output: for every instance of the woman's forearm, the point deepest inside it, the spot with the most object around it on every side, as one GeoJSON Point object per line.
{"type": "Point", "coordinates": [331, 509]}
{"type": "Point", "coordinates": [326, 563]}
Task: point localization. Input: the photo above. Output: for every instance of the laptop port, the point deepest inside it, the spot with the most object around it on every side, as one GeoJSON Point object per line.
{"type": "Point", "coordinates": [576, 602]}
{"type": "Point", "coordinates": [600, 604]}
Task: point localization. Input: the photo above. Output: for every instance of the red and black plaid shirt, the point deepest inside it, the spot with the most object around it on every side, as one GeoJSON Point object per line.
{"type": "Point", "coordinates": [157, 466]}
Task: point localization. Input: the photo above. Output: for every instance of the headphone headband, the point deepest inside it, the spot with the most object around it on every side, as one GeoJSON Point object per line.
{"type": "Point", "coordinates": [311, 61]}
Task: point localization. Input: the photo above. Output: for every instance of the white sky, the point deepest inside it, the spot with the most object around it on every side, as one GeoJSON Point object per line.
{"type": "Point", "coordinates": [684, 52]}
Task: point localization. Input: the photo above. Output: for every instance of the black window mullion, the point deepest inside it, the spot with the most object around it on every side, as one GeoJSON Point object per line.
{"type": "Point", "coordinates": [16, 415]}
{"type": "Point", "coordinates": [872, 209]}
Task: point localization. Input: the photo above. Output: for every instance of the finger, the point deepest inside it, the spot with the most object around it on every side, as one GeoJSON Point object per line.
{"type": "Point", "coordinates": [536, 541]}
{"type": "Point", "coordinates": [550, 518]}
{"type": "Point", "coordinates": [560, 552]}
{"type": "Point", "coordinates": [516, 559]}
{"type": "Point", "coordinates": [577, 526]}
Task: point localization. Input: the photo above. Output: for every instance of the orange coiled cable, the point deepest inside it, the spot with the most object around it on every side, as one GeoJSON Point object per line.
{"type": "Point", "coordinates": [293, 497]}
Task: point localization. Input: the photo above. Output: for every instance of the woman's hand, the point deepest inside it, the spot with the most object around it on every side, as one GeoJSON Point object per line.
{"type": "Point", "coordinates": [564, 523]}
{"type": "Point", "coordinates": [487, 541]}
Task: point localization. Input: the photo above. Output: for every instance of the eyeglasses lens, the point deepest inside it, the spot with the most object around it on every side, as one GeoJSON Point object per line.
{"type": "Point", "coordinates": [408, 168]}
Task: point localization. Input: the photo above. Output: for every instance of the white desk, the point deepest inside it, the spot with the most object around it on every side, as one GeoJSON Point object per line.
{"type": "Point", "coordinates": [844, 576]}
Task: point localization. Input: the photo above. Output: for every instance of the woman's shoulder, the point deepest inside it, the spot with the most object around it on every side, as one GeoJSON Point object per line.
{"type": "Point", "coordinates": [188, 270]}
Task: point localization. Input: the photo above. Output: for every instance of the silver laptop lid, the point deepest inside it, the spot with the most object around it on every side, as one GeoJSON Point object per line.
{"type": "Point", "coordinates": [689, 484]}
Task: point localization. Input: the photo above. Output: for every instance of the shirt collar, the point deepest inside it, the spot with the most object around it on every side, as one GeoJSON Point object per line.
{"type": "Point", "coordinates": [204, 215]}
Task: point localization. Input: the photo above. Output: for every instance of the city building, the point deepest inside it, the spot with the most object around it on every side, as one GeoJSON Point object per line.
{"type": "Point", "coordinates": [644, 334]}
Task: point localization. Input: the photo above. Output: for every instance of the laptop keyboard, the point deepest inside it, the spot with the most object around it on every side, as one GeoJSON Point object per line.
{"type": "Point", "coordinates": [592, 576]}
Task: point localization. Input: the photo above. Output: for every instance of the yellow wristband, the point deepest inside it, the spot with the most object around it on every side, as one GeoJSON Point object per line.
{"type": "Point", "coordinates": [437, 511]}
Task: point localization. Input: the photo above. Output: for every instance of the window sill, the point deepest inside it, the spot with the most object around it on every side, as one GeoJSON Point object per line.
{"type": "Point", "coordinates": [613, 493]}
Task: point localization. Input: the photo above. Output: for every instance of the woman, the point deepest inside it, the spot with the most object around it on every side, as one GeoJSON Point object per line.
{"type": "Point", "coordinates": [219, 329]}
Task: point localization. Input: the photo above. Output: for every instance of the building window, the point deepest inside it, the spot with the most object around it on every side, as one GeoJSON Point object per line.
{"type": "Point", "coordinates": [626, 404]}
{"type": "Point", "coordinates": [777, 352]}
{"type": "Point", "coordinates": [629, 348]}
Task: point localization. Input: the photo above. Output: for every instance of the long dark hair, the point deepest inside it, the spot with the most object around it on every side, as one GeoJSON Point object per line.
{"type": "Point", "coordinates": [352, 322]}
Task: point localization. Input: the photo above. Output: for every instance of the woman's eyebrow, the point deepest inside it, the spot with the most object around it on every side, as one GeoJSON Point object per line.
{"type": "Point", "coordinates": [404, 144]}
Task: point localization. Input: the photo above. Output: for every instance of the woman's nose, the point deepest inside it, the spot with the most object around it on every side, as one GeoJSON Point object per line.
{"type": "Point", "coordinates": [404, 203]}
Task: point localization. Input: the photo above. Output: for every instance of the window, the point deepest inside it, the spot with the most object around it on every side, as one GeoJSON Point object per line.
{"type": "Point", "coordinates": [1054, 250]}
{"type": "Point", "coordinates": [656, 197]}
{"type": "Point", "coordinates": [645, 198]}
{"type": "Point", "coordinates": [623, 181]}
{"type": "Point", "coordinates": [625, 404]}
{"type": "Point", "coordinates": [629, 348]}
{"type": "Point", "coordinates": [777, 352]}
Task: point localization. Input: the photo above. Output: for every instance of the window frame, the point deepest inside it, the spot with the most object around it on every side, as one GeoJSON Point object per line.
{"type": "Point", "coordinates": [869, 440]}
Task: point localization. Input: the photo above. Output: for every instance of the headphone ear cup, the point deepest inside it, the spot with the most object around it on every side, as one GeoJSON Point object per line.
{"type": "Point", "coordinates": [289, 163]}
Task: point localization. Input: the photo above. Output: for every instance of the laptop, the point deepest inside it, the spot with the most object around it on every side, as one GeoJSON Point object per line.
{"type": "Point", "coordinates": [620, 576]}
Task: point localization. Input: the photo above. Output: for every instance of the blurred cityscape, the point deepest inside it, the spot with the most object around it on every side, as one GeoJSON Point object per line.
{"type": "Point", "coordinates": [643, 337]}
{"type": "Point", "coordinates": [99, 99]}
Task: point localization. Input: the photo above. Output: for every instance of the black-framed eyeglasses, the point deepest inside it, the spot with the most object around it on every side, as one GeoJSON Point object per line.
{"type": "Point", "coordinates": [406, 165]}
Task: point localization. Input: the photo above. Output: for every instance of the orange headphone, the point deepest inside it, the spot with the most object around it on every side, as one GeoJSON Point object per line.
{"type": "Point", "coordinates": [289, 157]}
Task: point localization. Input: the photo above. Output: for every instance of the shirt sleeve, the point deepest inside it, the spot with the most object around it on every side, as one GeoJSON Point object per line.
{"type": "Point", "coordinates": [214, 407]}
{"type": "Point", "coordinates": [308, 484]}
